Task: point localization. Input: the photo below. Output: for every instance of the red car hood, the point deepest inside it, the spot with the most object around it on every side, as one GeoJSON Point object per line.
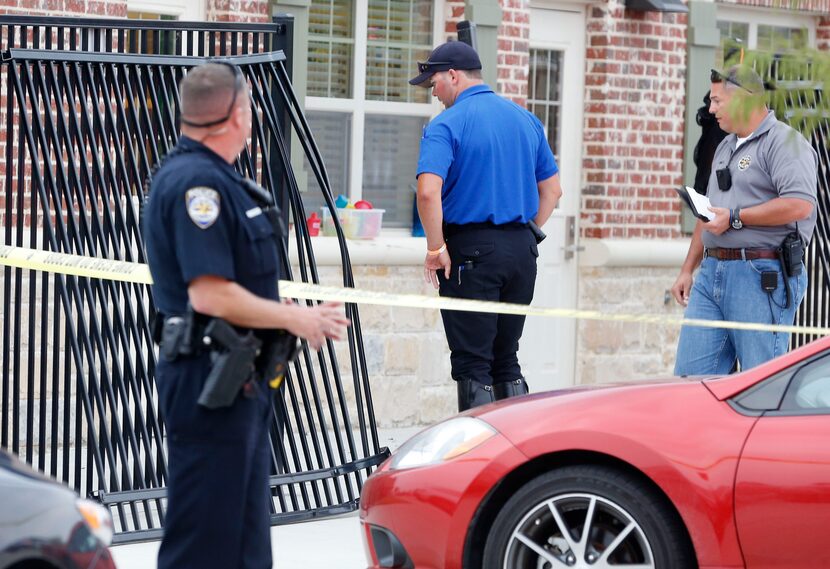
{"type": "Point", "coordinates": [641, 416]}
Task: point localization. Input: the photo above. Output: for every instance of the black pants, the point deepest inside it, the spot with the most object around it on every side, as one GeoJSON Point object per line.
{"type": "Point", "coordinates": [218, 495]}
{"type": "Point", "coordinates": [488, 263]}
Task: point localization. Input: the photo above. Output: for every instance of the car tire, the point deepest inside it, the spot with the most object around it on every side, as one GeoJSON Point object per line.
{"type": "Point", "coordinates": [630, 524]}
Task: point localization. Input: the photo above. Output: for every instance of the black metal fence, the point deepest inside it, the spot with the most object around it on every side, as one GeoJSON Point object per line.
{"type": "Point", "coordinates": [800, 93]}
{"type": "Point", "coordinates": [84, 121]}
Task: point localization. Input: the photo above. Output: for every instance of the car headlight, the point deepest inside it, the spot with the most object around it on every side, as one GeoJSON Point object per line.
{"type": "Point", "coordinates": [97, 519]}
{"type": "Point", "coordinates": [442, 442]}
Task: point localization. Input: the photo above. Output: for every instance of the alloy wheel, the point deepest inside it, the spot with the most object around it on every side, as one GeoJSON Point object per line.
{"type": "Point", "coordinates": [578, 531]}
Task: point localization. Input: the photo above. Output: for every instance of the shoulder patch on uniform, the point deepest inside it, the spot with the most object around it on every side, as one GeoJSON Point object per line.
{"type": "Point", "coordinates": [202, 206]}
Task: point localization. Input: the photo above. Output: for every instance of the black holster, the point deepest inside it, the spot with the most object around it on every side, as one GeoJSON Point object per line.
{"type": "Point", "coordinates": [791, 256]}
{"type": "Point", "coordinates": [177, 335]}
{"type": "Point", "coordinates": [281, 348]}
{"type": "Point", "coordinates": [233, 356]}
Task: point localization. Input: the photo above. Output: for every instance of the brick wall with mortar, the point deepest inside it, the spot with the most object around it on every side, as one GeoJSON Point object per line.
{"type": "Point", "coordinates": [217, 10]}
{"type": "Point", "coordinates": [514, 45]}
{"type": "Point", "coordinates": [823, 33]}
{"type": "Point", "coordinates": [238, 10]}
{"type": "Point", "coordinates": [633, 136]}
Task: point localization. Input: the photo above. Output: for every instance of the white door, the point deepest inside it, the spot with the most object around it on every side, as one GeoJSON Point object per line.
{"type": "Point", "coordinates": [547, 351]}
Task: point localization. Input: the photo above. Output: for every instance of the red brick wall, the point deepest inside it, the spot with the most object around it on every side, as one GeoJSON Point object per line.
{"type": "Point", "coordinates": [634, 119]}
{"type": "Point", "coordinates": [823, 34]}
{"type": "Point", "coordinates": [217, 10]}
{"type": "Point", "coordinates": [514, 45]}
{"type": "Point", "coordinates": [107, 8]}
{"type": "Point", "coordinates": [514, 50]}
{"type": "Point", "coordinates": [789, 5]}
{"type": "Point", "coordinates": [238, 10]}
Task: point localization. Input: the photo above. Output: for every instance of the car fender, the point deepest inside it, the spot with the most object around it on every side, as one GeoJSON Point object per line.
{"type": "Point", "coordinates": [679, 436]}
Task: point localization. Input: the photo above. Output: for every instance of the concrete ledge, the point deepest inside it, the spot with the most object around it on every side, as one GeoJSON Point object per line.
{"type": "Point", "coordinates": [410, 251]}
{"type": "Point", "coordinates": [633, 252]}
{"type": "Point", "coordinates": [403, 250]}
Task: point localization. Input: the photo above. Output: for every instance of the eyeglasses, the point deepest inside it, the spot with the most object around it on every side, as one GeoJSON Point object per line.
{"type": "Point", "coordinates": [238, 84]}
{"type": "Point", "coordinates": [425, 66]}
{"type": "Point", "coordinates": [717, 77]}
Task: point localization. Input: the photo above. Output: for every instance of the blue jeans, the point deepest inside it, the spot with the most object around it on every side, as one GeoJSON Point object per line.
{"type": "Point", "coordinates": [731, 290]}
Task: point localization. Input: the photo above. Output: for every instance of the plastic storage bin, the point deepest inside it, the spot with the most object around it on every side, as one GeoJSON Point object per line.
{"type": "Point", "coordinates": [357, 223]}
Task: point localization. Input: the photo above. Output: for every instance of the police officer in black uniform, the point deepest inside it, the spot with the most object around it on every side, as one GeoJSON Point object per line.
{"type": "Point", "coordinates": [210, 247]}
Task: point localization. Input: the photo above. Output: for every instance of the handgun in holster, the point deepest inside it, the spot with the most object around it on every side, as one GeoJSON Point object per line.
{"type": "Point", "coordinates": [233, 356]}
{"type": "Point", "coordinates": [791, 256]}
{"type": "Point", "coordinates": [280, 350]}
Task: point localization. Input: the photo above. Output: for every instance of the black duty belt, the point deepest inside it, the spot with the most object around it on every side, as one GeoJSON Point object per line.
{"type": "Point", "coordinates": [740, 254]}
{"type": "Point", "coordinates": [451, 229]}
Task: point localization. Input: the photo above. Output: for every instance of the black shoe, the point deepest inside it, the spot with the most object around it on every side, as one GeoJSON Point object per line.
{"type": "Point", "coordinates": [510, 389]}
{"type": "Point", "coordinates": [471, 394]}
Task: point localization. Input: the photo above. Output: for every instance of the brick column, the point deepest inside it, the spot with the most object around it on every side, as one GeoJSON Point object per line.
{"type": "Point", "coordinates": [823, 33]}
{"type": "Point", "coordinates": [238, 10]}
{"type": "Point", "coordinates": [104, 8]}
{"type": "Point", "coordinates": [513, 41]}
{"type": "Point", "coordinates": [634, 117]}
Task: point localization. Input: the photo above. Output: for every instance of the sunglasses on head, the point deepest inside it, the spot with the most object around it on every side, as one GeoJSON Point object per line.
{"type": "Point", "coordinates": [717, 77]}
{"type": "Point", "coordinates": [238, 84]}
{"type": "Point", "coordinates": [425, 66]}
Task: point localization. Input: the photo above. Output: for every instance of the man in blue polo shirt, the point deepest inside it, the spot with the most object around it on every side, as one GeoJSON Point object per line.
{"type": "Point", "coordinates": [485, 174]}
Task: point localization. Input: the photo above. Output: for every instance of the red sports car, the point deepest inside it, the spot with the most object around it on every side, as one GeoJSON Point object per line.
{"type": "Point", "coordinates": [684, 473]}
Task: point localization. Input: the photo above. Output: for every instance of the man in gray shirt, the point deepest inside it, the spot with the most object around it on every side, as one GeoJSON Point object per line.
{"type": "Point", "coordinates": [762, 189]}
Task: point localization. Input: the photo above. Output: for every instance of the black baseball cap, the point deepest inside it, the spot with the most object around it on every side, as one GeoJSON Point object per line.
{"type": "Point", "coordinates": [451, 55]}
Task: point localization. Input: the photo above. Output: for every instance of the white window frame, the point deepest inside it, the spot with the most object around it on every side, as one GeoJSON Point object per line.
{"type": "Point", "coordinates": [187, 10]}
{"type": "Point", "coordinates": [768, 17]}
{"type": "Point", "coordinates": [358, 107]}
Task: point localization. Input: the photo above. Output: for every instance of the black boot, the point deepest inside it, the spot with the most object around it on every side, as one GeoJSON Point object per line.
{"type": "Point", "coordinates": [510, 389]}
{"type": "Point", "coordinates": [471, 394]}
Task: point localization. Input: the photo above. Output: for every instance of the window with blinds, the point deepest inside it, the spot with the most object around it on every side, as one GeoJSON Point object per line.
{"type": "Point", "coordinates": [399, 35]}
{"type": "Point", "coordinates": [731, 34]}
{"type": "Point", "coordinates": [332, 132]}
{"type": "Point", "coordinates": [391, 114]}
{"type": "Point", "coordinates": [390, 163]}
{"type": "Point", "coordinates": [760, 36]}
{"type": "Point", "coordinates": [781, 38]}
{"type": "Point", "coordinates": [545, 92]}
{"type": "Point", "coordinates": [330, 48]}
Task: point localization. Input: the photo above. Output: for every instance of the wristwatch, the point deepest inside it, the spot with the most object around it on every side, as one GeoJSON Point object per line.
{"type": "Point", "coordinates": [735, 218]}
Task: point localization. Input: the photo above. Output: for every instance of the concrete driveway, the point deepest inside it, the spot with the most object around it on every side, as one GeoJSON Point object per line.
{"type": "Point", "coordinates": [333, 543]}
{"type": "Point", "coordinates": [322, 544]}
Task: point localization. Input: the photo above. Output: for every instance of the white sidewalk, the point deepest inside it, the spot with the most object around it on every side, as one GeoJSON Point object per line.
{"type": "Point", "coordinates": [324, 544]}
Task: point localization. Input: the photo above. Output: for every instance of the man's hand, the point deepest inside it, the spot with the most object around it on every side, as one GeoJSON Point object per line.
{"type": "Point", "coordinates": [681, 288]}
{"type": "Point", "coordinates": [316, 323]}
{"type": "Point", "coordinates": [720, 224]}
{"type": "Point", "coordinates": [434, 263]}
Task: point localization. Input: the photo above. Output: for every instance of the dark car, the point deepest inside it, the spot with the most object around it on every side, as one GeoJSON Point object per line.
{"type": "Point", "coordinates": [45, 525]}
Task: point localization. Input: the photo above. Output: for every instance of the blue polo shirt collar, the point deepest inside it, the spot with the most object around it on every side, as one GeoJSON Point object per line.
{"type": "Point", "coordinates": [474, 90]}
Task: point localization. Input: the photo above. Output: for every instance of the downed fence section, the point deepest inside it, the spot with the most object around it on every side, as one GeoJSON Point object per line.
{"type": "Point", "coordinates": [90, 106]}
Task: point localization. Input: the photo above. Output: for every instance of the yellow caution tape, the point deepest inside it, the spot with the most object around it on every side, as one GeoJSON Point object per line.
{"type": "Point", "coordinates": [66, 264]}
{"type": "Point", "coordinates": [124, 271]}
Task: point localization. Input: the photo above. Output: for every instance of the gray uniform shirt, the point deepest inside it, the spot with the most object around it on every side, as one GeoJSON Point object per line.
{"type": "Point", "coordinates": [776, 161]}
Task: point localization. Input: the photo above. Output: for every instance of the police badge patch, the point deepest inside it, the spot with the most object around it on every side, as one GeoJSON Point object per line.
{"type": "Point", "coordinates": [202, 206]}
{"type": "Point", "coordinates": [744, 162]}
